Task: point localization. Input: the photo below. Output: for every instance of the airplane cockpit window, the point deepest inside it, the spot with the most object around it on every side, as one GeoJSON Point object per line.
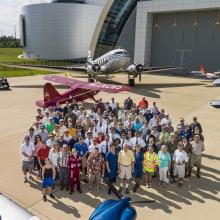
{"type": "Point", "coordinates": [118, 53]}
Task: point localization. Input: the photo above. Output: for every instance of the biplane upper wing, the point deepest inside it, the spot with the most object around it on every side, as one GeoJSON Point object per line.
{"type": "Point", "coordinates": [98, 86]}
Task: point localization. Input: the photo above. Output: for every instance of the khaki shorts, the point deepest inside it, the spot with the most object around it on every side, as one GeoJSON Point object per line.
{"type": "Point", "coordinates": [195, 160]}
{"type": "Point", "coordinates": [125, 172]}
{"type": "Point", "coordinates": [28, 166]}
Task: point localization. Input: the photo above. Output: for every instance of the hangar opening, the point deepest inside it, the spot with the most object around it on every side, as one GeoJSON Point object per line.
{"type": "Point", "coordinates": [186, 39]}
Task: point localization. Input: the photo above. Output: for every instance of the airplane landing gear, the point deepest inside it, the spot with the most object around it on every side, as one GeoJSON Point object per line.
{"type": "Point", "coordinates": [91, 78]}
{"type": "Point", "coordinates": [131, 80]}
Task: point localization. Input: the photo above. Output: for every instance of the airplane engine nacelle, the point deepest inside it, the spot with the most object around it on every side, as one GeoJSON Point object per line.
{"type": "Point", "coordinates": [94, 68]}
{"type": "Point", "coordinates": [135, 68]}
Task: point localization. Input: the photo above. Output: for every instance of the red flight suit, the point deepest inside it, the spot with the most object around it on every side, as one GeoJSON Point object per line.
{"type": "Point", "coordinates": [74, 163]}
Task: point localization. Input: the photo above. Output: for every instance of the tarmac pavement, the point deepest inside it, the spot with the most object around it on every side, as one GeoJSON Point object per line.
{"type": "Point", "coordinates": [180, 96]}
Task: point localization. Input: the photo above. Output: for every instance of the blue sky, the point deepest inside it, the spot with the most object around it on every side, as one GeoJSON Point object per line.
{"type": "Point", "coordinates": [9, 14]}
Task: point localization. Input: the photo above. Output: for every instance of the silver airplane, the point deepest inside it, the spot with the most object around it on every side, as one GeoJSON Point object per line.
{"type": "Point", "coordinates": [11, 211]}
{"type": "Point", "coordinates": [115, 61]}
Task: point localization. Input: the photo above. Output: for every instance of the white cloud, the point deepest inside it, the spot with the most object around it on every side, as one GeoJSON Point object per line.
{"type": "Point", "coordinates": [9, 14]}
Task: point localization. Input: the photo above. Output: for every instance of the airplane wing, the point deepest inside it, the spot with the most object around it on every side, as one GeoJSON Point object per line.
{"type": "Point", "coordinates": [63, 80]}
{"type": "Point", "coordinates": [97, 86]}
{"type": "Point", "coordinates": [159, 69]}
{"type": "Point", "coordinates": [74, 68]}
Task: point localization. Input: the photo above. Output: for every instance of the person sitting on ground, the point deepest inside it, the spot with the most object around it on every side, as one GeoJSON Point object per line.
{"type": "Point", "coordinates": [48, 176]}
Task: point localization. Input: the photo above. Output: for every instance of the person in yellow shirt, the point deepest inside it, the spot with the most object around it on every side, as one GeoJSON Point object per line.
{"type": "Point", "coordinates": [150, 164]}
{"type": "Point", "coordinates": [71, 130]}
{"type": "Point", "coordinates": [125, 166]}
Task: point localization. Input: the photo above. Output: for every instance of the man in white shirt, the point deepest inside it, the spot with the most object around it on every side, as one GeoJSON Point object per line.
{"type": "Point", "coordinates": [112, 103]}
{"type": "Point", "coordinates": [166, 121]}
{"type": "Point", "coordinates": [152, 121]}
{"type": "Point", "coordinates": [63, 127]}
{"type": "Point", "coordinates": [105, 145]}
{"type": "Point", "coordinates": [124, 140]}
{"type": "Point", "coordinates": [180, 158]}
{"type": "Point", "coordinates": [144, 129]}
{"type": "Point", "coordinates": [27, 151]}
{"type": "Point", "coordinates": [88, 138]}
{"type": "Point", "coordinates": [94, 145]}
{"type": "Point", "coordinates": [46, 119]}
{"type": "Point", "coordinates": [137, 140]}
{"type": "Point", "coordinates": [113, 135]}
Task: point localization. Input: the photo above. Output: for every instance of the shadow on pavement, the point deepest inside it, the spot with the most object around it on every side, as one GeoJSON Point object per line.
{"type": "Point", "coordinates": [166, 198]}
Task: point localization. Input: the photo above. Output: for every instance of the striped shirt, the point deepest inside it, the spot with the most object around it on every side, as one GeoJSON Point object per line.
{"type": "Point", "coordinates": [63, 159]}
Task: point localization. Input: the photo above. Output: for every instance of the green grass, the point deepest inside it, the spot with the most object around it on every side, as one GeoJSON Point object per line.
{"type": "Point", "coordinates": [17, 72]}
{"type": "Point", "coordinates": [10, 55]}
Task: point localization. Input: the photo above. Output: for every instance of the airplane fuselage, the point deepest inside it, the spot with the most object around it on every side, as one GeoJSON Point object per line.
{"type": "Point", "coordinates": [113, 61]}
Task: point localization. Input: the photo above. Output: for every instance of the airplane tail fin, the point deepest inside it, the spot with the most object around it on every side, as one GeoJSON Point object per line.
{"type": "Point", "coordinates": [89, 58]}
{"type": "Point", "coordinates": [202, 70]}
{"type": "Point", "coordinates": [50, 92]}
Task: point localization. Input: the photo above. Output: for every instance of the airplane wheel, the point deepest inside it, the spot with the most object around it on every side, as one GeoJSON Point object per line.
{"type": "Point", "coordinates": [91, 80]}
{"type": "Point", "coordinates": [131, 82]}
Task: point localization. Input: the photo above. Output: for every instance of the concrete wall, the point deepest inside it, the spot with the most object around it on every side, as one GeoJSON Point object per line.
{"type": "Point", "coordinates": [127, 37]}
{"type": "Point", "coordinates": [59, 31]}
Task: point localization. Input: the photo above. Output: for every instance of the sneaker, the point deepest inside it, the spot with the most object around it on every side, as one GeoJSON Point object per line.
{"type": "Point", "coordinates": [146, 184]}
{"type": "Point", "coordinates": [127, 191]}
{"type": "Point", "coordinates": [120, 189]}
{"type": "Point", "coordinates": [52, 196]}
{"type": "Point", "coordinates": [80, 191]}
{"type": "Point", "coordinates": [31, 178]}
{"type": "Point", "coordinates": [25, 180]}
{"type": "Point", "coordinates": [149, 185]}
{"type": "Point", "coordinates": [44, 198]}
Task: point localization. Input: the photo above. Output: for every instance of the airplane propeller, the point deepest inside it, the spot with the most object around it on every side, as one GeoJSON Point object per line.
{"type": "Point", "coordinates": [139, 69]}
{"type": "Point", "coordinates": [96, 67]}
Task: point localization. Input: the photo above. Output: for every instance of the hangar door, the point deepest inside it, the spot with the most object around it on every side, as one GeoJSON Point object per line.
{"type": "Point", "coordinates": [186, 39]}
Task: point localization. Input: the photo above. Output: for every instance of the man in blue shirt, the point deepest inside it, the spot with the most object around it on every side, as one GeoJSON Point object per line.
{"type": "Point", "coordinates": [83, 152]}
{"type": "Point", "coordinates": [137, 124]}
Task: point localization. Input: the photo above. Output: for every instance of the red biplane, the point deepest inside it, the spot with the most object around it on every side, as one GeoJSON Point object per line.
{"type": "Point", "coordinates": [78, 90]}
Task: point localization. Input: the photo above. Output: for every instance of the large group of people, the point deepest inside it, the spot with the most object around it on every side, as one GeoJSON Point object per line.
{"type": "Point", "coordinates": [67, 145]}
